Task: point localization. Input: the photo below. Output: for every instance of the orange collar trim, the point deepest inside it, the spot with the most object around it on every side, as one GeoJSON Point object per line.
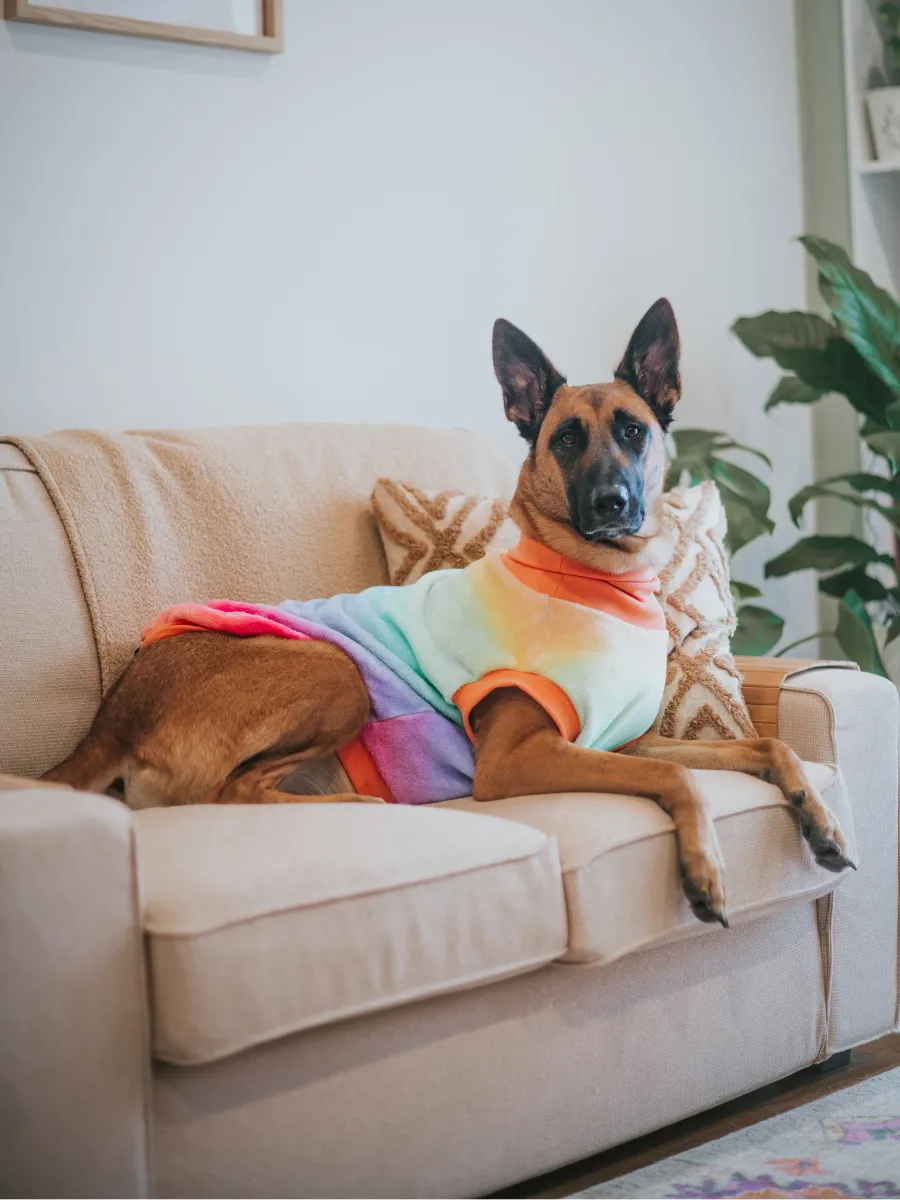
{"type": "Point", "coordinates": [630, 596]}
{"type": "Point", "coordinates": [531, 553]}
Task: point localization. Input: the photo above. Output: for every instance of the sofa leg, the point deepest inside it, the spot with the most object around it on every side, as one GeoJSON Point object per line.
{"type": "Point", "coordinates": [841, 1059]}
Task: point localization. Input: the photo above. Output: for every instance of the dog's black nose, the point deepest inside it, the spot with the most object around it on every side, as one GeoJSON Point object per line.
{"type": "Point", "coordinates": [609, 502]}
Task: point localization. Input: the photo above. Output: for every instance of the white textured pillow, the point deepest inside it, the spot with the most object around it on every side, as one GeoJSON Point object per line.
{"type": "Point", "coordinates": [424, 531]}
{"type": "Point", "coordinates": [703, 698]}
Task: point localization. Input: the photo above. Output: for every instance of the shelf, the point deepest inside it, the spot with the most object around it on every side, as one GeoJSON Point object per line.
{"type": "Point", "coordinates": [878, 168]}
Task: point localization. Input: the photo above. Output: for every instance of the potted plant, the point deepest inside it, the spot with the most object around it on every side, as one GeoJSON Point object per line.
{"type": "Point", "coordinates": [883, 99]}
{"type": "Point", "coordinates": [857, 355]}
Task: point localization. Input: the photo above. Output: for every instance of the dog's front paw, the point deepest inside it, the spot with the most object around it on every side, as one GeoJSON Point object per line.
{"type": "Point", "coordinates": [817, 822]}
{"type": "Point", "coordinates": [703, 879]}
{"type": "Point", "coordinates": [826, 840]}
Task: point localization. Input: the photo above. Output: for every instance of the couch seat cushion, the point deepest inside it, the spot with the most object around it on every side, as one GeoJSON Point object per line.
{"type": "Point", "coordinates": [262, 921]}
{"type": "Point", "coordinates": [620, 866]}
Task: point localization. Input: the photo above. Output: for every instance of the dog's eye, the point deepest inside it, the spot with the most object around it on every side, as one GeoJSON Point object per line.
{"type": "Point", "coordinates": [567, 438]}
{"type": "Point", "coordinates": [632, 431]}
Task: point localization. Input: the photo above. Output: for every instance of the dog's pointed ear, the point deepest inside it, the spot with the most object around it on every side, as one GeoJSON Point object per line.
{"type": "Point", "coordinates": [650, 364]}
{"type": "Point", "coordinates": [528, 378]}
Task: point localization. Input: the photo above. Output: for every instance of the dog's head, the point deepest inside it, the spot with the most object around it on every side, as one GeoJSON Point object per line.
{"type": "Point", "coordinates": [591, 485]}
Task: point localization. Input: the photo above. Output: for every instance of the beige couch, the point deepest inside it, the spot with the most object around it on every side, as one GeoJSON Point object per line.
{"type": "Point", "coordinates": [357, 1000]}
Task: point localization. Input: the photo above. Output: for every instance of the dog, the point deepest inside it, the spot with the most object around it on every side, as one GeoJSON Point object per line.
{"type": "Point", "coordinates": [204, 717]}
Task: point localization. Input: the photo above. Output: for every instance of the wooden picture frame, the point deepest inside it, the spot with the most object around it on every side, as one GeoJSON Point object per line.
{"type": "Point", "coordinates": [269, 40]}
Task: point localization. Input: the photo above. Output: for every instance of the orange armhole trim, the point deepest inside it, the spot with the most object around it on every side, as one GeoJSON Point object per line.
{"type": "Point", "coordinates": [549, 695]}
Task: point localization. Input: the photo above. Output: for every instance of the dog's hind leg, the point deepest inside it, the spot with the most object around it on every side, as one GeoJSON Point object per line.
{"type": "Point", "coordinates": [772, 761]}
{"type": "Point", "coordinates": [259, 782]}
{"type": "Point", "coordinates": [92, 766]}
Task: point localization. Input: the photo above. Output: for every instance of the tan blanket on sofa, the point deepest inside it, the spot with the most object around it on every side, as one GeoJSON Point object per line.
{"type": "Point", "coordinates": [264, 513]}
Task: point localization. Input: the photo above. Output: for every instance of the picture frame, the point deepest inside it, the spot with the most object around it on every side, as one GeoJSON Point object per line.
{"type": "Point", "coordinates": [111, 16]}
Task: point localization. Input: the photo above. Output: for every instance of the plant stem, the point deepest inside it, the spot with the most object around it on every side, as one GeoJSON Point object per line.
{"type": "Point", "coordinates": [809, 637]}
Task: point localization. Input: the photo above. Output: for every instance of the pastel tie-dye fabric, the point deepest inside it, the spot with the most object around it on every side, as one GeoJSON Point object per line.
{"type": "Point", "coordinates": [590, 647]}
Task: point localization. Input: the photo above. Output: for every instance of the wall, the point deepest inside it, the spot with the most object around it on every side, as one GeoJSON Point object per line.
{"type": "Point", "coordinates": [190, 236]}
{"type": "Point", "coordinates": [823, 122]}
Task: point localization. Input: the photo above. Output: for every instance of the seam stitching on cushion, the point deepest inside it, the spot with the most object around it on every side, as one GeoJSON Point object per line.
{"type": "Point", "coordinates": [813, 894]}
{"type": "Point", "coordinates": [161, 932]}
{"type": "Point", "coordinates": [410, 997]}
{"type": "Point", "coordinates": [670, 829]}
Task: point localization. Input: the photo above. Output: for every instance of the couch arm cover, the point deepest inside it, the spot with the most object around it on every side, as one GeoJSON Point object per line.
{"type": "Point", "coordinates": [74, 1045]}
{"type": "Point", "coordinates": [852, 719]}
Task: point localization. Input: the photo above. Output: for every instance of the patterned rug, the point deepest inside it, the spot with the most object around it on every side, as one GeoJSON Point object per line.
{"type": "Point", "coordinates": [847, 1144]}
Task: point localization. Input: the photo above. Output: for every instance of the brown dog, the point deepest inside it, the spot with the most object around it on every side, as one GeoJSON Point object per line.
{"type": "Point", "coordinates": [589, 490]}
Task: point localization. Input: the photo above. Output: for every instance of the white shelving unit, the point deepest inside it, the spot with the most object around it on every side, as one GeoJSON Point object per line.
{"type": "Point", "coordinates": [874, 185]}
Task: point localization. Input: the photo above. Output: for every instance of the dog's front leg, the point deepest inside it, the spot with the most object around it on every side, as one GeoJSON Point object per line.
{"type": "Point", "coordinates": [770, 760]}
{"type": "Point", "coordinates": [519, 751]}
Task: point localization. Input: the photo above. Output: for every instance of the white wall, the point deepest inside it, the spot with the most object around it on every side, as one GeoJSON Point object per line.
{"type": "Point", "coordinates": [191, 236]}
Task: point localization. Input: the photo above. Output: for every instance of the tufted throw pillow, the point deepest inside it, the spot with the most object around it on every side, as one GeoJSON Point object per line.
{"type": "Point", "coordinates": [703, 698]}
{"type": "Point", "coordinates": [425, 531]}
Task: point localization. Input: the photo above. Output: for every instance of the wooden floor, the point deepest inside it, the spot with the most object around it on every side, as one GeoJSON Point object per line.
{"type": "Point", "coordinates": [736, 1114]}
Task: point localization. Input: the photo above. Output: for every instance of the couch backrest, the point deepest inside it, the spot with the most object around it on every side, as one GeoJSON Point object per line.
{"type": "Point", "coordinates": [292, 500]}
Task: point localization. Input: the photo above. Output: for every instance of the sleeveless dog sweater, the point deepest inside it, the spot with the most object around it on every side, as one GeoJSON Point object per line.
{"type": "Point", "coordinates": [589, 647]}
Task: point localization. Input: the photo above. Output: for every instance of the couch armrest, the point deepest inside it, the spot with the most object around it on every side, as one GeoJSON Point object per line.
{"type": "Point", "coordinates": [852, 719]}
{"type": "Point", "coordinates": [74, 1044]}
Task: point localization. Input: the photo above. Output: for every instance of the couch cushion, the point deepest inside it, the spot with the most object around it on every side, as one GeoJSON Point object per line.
{"type": "Point", "coordinates": [620, 868]}
{"type": "Point", "coordinates": [266, 920]}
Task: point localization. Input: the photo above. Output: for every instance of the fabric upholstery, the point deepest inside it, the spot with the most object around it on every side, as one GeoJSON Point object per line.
{"type": "Point", "coordinates": [465, 1094]}
{"type": "Point", "coordinates": [74, 1045]}
{"type": "Point", "coordinates": [853, 718]}
{"type": "Point", "coordinates": [49, 677]}
{"type": "Point", "coordinates": [619, 856]}
{"type": "Point", "coordinates": [261, 513]}
{"type": "Point", "coordinates": [267, 920]}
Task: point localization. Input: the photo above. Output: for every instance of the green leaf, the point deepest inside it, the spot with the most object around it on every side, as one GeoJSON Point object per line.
{"type": "Point", "coordinates": [697, 471]}
{"type": "Point", "coordinates": [886, 443]}
{"type": "Point", "coordinates": [758, 630]}
{"type": "Point", "coordinates": [706, 444]}
{"type": "Point", "coordinates": [818, 355]}
{"type": "Point", "coordinates": [855, 636]}
{"type": "Point", "coordinates": [802, 498]}
{"type": "Point", "coordinates": [694, 442]}
{"type": "Point", "coordinates": [772, 333]}
{"type": "Point", "coordinates": [753, 490]}
{"type": "Point", "coordinates": [892, 415]}
{"type": "Point", "coordinates": [823, 552]}
{"type": "Point", "coordinates": [791, 390]}
{"type": "Point", "coordinates": [857, 480]}
{"type": "Point", "coordinates": [868, 316]}
{"type": "Point", "coordinates": [862, 481]}
{"type": "Point", "coordinates": [855, 580]}
{"type": "Point", "coordinates": [745, 522]}
{"type": "Point", "coordinates": [744, 591]}
{"type": "Point", "coordinates": [893, 630]}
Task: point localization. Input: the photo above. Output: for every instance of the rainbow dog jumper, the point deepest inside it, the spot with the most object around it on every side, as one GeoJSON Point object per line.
{"type": "Point", "coordinates": [589, 647]}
